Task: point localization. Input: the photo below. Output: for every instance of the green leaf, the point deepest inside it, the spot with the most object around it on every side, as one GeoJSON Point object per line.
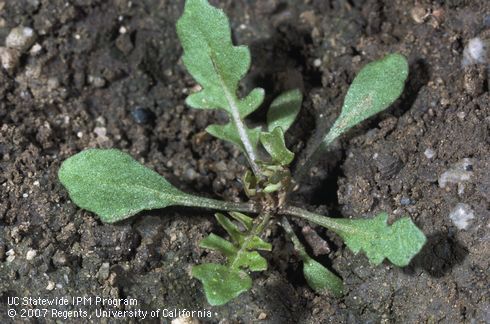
{"type": "Point", "coordinates": [284, 109]}
{"type": "Point", "coordinates": [113, 185]}
{"type": "Point", "coordinates": [231, 228]}
{"type": "Point", "coordinates": [218, 66]}
{"type": "Point", "coordinates": [375, 88]}
{"type": "Point", "coordinates": [246, 221]}
{"type": "Point", "coordinates": [215, 242]}
{"type": "Point", "coordinates": [320, 278]}
{"type": "Point", "coordinates": [228, 132]}
{"type": "Point", "coordinates": [317, 276]}
{"type": "Point", "coordinates": [240, 254]}
{"type": "Point", "coordinates": [221, 284]}
{"type": "Point", "coordinates": [275, 145]}
{"type": "Point", "coordinates": [399, 242]}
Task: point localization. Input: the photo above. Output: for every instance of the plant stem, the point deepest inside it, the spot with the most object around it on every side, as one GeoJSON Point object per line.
{"type": "Point", "coordinates": [237, 120]}
{"type": "Point", "coordinates": [312, 158]}
{"type": "Point", "coordinates": [336, 225]}
{"type": "Point", "coordinates": [255, 231]}
{"type": "Point", "coordinates": [209, 203]}
{"type": "Point", "coordinates": [298, 247]}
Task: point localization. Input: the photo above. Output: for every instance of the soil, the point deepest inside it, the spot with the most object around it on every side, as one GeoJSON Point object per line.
{"type": "Point", "coordinates": [109, 74]}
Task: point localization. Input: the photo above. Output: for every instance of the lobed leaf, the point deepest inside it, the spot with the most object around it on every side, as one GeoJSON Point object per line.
{"type": "Point", "coordinates": [399, 242]}
{"type": "Point", "coordinates": [376, 87]}
{"type": "Point", "coordinates": [284, 109]}
{"type": "Point", "coordinates": [246, 221]}
{"type": "Point", "coordinates": [274, 144]}
{"type": "Point", "coordinates": [221, 283]}
{"type": "Point", "coordinates": [218, 66]}
{"type": "Point", "coordinates": [228, 132]}
{"type": "Point", "coordinates": [241, 255]}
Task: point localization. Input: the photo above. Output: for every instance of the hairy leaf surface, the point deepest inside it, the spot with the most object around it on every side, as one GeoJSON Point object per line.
{"type": "Point", "coordinates": [113, 185]}
{"type": "Point", "coordinates": [241, 254]}
{"type": "Point", "coordinates": [221, 283]}
{"type": "Point", "coordinates": [398, 242]}
{"type": "Point", "coordinates": [218, 66]}
{"type": "Point", "coordinates": [376, 87]}
{"type": "Point", "coordinates": [284, 109]}
{"type": "Point", "coordinates": [274, 144]}
{"type": "Point", "coordinates": [320, 278]}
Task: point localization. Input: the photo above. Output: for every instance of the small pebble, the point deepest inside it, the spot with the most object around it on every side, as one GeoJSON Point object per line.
{"type": "Point", "coordinates": [142, 115]}
{"type": "Point", "coordinates": [317, 62]}
{"type": "Point", "coordinates": [419, 14]}
{"type": "Point", "coordinates": [31, 254]}
{"type": "Point", "coordinates": [404, 201]}
{"type": "Point", "coordinates": [262, 316]}
{"type": "Point", "coordinates": [9, 58]}
{"type": "Point", "coordinates": [51, 285]}
{"type": "Point", "coordinates": [101, 132]}
{"type": "Point", "coordinates": [459, 173]}
{"type": "Point", "coordinates": [429, 153]}
{"type": "Point", "coordinates": [96, 81]}
{"type": "Point", "coordinates": [20, 38]}
{"type": "Point", "coordinates": [474, 52]}
{"type": "Point", "coordinates": [103, 272]}
{"type": "Point", "coordinates": [25, 195]}
{"type": "Point", "coordinates": [36, 49]}
{"type": "Point", "coordinates": [461, 215]}
{"type": "Point", "coordinates": [10, 255]}
{"type": "Point", "coordinates": [191, 174]}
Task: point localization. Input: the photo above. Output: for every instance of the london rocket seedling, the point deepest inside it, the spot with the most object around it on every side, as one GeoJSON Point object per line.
{"type": "Point", "coordinates": [113, 185]}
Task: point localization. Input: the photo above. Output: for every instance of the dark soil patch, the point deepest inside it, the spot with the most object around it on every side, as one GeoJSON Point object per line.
{"type": "Point", "coordinates": [108, 74]}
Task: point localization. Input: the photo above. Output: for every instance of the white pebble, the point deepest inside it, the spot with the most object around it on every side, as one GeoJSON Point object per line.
{"type": "Point", "coordinates": [429, 153]}
{"type": "Point", "coordinates": [317, 62]}
{"type": "Point", "coordinates": [50, 285]}
{"type": "Point", "coordinates": [461, 215]}
{"type": "Point", "coordinates": [36, 49]}
{"type": "Point", "coordinates": [80, 134]}
{"type": "Point", "coordinates": [31, 254]}
{"type": "Point", "coordinates": [458, 174]}
{"type": "Point", "coordinates": [461, 114]}
{"type": "Point", "coordinates": [20, 38]}
{"type": "Point", "coordinates": [101, 132]}
{"type": "Point", "coordinates": [10, 255]}
{"type": "Point", "coordinates": [25, 195]}
{"type": "Point", "coordinates": [474, 52]}
{"type": "Point", "coordinates": [123, 30]}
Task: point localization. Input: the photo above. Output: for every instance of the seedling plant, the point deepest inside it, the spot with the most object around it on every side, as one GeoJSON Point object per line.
{"type": "Point", "coordinates": [113, 185]}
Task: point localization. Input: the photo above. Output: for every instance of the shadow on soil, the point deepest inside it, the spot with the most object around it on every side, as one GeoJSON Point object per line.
{"type": "Point", "coordinates": [440, 254]}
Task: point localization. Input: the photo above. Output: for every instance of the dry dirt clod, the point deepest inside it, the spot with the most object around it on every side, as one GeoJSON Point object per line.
{"type": "Point", "coordinates": [9, 58]}
{"type": "Point", "coordinates": [21, 38]}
